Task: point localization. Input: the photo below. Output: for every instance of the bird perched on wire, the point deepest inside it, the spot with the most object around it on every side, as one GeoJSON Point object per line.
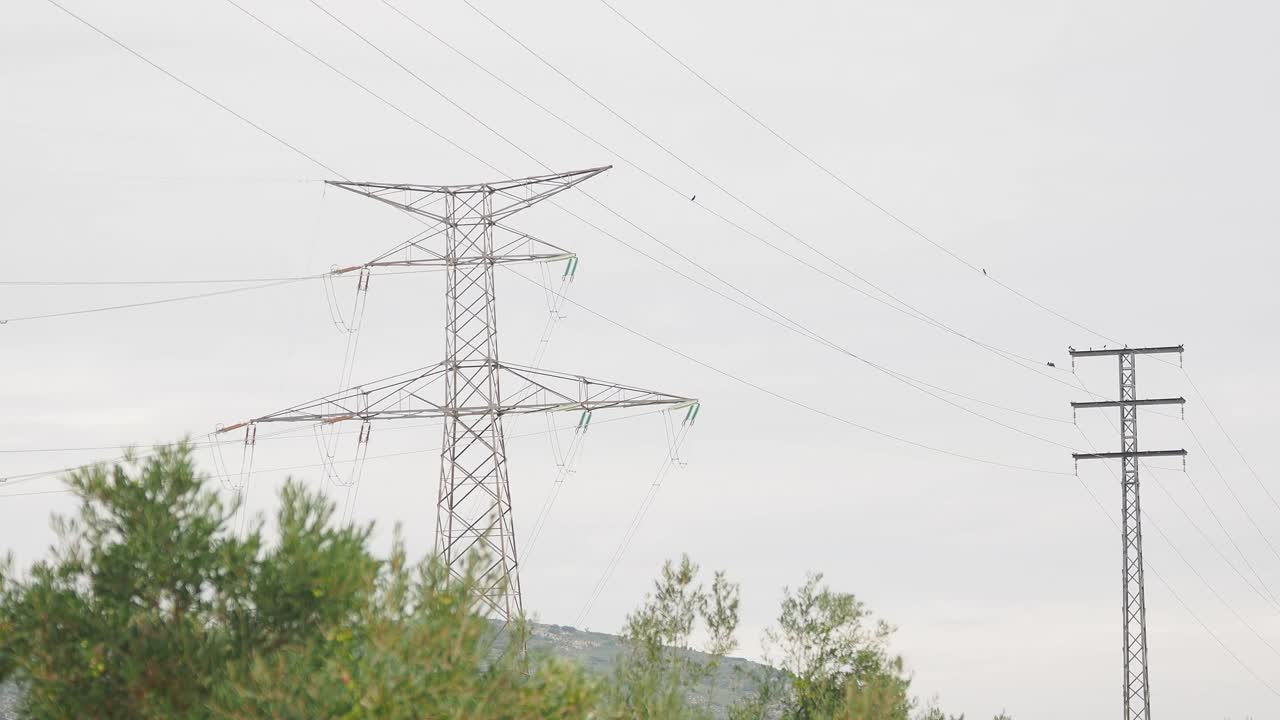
{"type": "Point", "coordinates": [693, 198]}
{"type": "Point", "coordinates": [1050, 364]}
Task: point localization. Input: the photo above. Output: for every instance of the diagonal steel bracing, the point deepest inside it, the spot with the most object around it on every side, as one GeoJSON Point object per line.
{"type": "Point", "coordinates": [471, 390]}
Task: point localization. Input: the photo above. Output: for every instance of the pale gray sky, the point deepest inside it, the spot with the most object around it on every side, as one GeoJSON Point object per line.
{"type": "Point", "coordinates": [1114, 162]}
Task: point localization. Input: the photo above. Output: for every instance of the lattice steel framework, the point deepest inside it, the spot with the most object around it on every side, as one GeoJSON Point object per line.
{"type": "Point", "coordinates": [1137, 686]}
{"type": "Point", "coordinates": [477, 389]}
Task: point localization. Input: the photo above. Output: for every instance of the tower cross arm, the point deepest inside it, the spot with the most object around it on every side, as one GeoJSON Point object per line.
{"type": "Point", "coordinates": [1129, 454]}
{"type": "Point", "coordinates": [408, 396]}
{"type": "Point", "coordinates": [509, 246]}
{"type": "Point", "coordinates": [1162, 350]}
{"type": "Point", "coordinates": [1128, 403]}
{"type": "Point", "coordinates": [516, 195]}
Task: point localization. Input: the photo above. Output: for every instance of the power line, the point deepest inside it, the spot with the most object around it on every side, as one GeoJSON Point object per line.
{"type": "Point", "coordinates": [1160, 578]}
{"type": "Point", "coordinates": [1212, 513]}
{"type": "Point", "coordinates": [1178, 597]}
{"type": "Point", "coordinates": [1227, 435]}
{"type": "Point", "coordinates": [128, 452]}
{"type": "Point", "coordinates": [1268, 596]}
{"type": "Point", "coordinates": [193, 89]}
{"type": "Point", "coordinates": [787, 323]}
{"type": "Point", "coordinates": [117, 177]}
{"type": "Point", "coordinates": [901, 306]}
{"type": "Point", "coordinates": [182, 298]}
{"type": "Point", "coordinates": [310, 466]}
{"type": "Point", "coordinates": [1243, 508]}
{"type": "Point", "coordinates": [1271, 600]}
{"type": "Point", "coordinates": [799, 327]}
{"type": "Point", "coordinates": [1210, 587]}
{"type": "Point", "coordinates": [146, 303]}
{"type": "Point", "coordinates": [914, 312]}
{"type": "Point", "coordinates": [840, 180]}
{"type": "Point", "coordinates": [792, 401]}
{"type": "Point", "coordinates": [131, 451]}
{"type": "Point", "coordinates": [633, 528]}
{"type": "Point", "coordinates": [37, 492]}
{"type": "Point", "coordinates": [92, 283]}
{"type": "Point", "coordinates": [260, 128]}
{"type": "Point", "coordinates": [1230, 537]}
{"type": "Point", "coordinates": [278, 435]}
{"type": "Point", "coordinates": [256, 126]}
{"type": "Point", "coordinates": [362, 86]}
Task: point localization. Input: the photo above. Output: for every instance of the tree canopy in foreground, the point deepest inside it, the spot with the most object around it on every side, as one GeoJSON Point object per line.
{"type": "Point", "coordinates": [150, 606]}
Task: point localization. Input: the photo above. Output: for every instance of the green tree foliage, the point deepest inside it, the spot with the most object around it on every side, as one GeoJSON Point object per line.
{"type": "Point", "coordinates": [416, 649]}
{"type": "Point", "coordinates": [837, 655]}
{"type": "Point", "coordinates": [834, 662]}
{"type": "Point", "coordinates": [143, 602]}
{"type": "Point", "coordinates": [657, 675]}
{"type": "Point", "coordinates": [933, 712]}
{"type": "Point", "coordinates": [150, 607]}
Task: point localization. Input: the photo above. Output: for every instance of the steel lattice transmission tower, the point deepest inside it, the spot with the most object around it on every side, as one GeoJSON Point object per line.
{"type": "Point", "coordinates": [1137, 687]}
{"type": "Point", "coordinates": [476, 390]}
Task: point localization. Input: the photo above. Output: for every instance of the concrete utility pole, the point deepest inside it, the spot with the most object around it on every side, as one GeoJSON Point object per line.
{"type": "Point", "coordinates": [477, 389]}
{"type": "Point", "coordinates": [1137, 691]}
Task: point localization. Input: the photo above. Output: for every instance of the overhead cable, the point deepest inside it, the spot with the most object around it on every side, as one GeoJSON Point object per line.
{"type": "Point", "coordinates": [1205, 402]}
{"type": "Point", "coordinates": [145, 303]}
{"type": "Point", "coordinates": [794, 402]}
{"type": "Point", "coordinates": [798, 327]}
{"type": "Point", "coordinates": [195, 90]}
{"type": "Point", "coordinates": [847, 185]}
{"type": "Point", "coordinates": [897, 304]}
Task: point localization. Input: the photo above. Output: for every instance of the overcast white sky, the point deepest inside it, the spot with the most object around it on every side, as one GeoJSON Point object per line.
{"type": "Point", "coordinates": [1114, 161]}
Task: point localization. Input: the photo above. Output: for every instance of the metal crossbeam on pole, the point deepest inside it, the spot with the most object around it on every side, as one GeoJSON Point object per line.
{"type": "Point", "coordinates": [472, 390]}
{"type": "Point", "coordinates": [1127, 403]}
{"type": "Point", "coordinates": [1137, 686]}
{"type": "Point", "coordinates": [1104, 352]}
{"type": "Point", "coordinates": [1121, 455]}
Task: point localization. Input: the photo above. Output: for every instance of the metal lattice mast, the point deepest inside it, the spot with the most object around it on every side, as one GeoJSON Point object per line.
{"type": "Point", "coordinates": [474, 503]}
{"type": "Point", "coordinates": [1137, 686]}
{"type": "Point", "coordinates": [1137, 672]}
{"type": "Point", "coordinates": [473, 511]}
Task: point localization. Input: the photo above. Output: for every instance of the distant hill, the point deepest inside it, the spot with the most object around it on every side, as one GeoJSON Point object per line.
{"type": "Point", "coordinates": [597, 652]}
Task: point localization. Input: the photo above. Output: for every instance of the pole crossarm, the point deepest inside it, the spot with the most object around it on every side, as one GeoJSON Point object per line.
{"type": "Point", "coordinates": [1163, 350]}
{"type": "Point", "coordinates": [1131, 454]}
{"type": "Point", "coordinates": [1128, 403]}
{"type": "Point", "coordinates": [405, 397]}
{"type": "Point", "coordinates": [517, 195]}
